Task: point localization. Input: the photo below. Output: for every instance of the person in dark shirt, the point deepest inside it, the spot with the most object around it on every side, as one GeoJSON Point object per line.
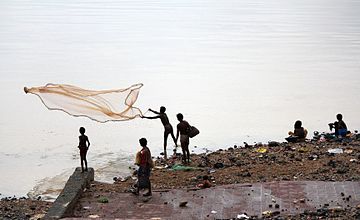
{"type": "Point", "coordinates": [84, 145]}
{"type": "Point", "coordinates": [339, 126]}
{"type": "Point", "coordinates": [168, 129]}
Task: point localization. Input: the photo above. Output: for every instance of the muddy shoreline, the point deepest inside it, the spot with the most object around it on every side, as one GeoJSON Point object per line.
{"type": "Point", "coordinates": [307, 161]}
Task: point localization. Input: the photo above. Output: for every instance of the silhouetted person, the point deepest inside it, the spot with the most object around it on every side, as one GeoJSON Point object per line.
{"type": "Point", "coordinates": [144, 161]}
{"type": "Point", "coordinates": [84, 145]}
{"type": "Point", "coordinates": [299, 133]}
{"type": "Point", "coordinates": [168, 129]}
{"type": "Point", "coordinates": [183, 129]}
{"type": "Point", "coordinates": [206, 183]}
{"type": "Point", "coordinates": [339, 126]}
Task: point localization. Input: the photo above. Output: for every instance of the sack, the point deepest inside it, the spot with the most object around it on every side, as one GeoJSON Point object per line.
{"type": "Point", "coordinates": [137, 158]}
{"type": "Point", "coordinates": [193, 131]}
{"type": "Point", "coordinates": [151, 163]}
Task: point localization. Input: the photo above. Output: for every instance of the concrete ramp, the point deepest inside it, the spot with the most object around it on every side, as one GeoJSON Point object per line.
{"type": "Point", "coordinates": [225, 202]}
{"type": "Point", "coordinates": [66, 201]}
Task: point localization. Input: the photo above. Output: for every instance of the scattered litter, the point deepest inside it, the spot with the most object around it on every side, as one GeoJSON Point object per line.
{"type": "Point", "coordinates": [335, 151]}
{"type": "Point", "coordinates": [212, 171]}
{"type": "Point", "coordinates": [353, 160]}
{"type": "Point", "coordinates": [266, 213]}
{"type": "Point", "coordinates": [261, 150]}
{"type": "Point", "coordinates": [37, 216]}
{"type": "Point", "coordinates": [313, 157]}
{"type": "Point", "coordinates": [242, 216]}
{"type": "Point", "coordinates": [303, 149]}
{"type": "Point", "coordinates": [94, 216]}
{"type": "Point", "coordinates": [213, 212]}
{"type": "Point", "coordinates": [125, 179]}
{"type": "Point", "coordinates": [86, 207]}
{"type": "Point", "coordinates": [177, 167]}
{"type": "Point", "coordinates": [103, 200]}
{"type": "Point", "coordinates": [348, 151]}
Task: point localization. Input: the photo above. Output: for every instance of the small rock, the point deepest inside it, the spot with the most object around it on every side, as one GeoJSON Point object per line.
{"type": "Point", "coordinates": [218, 165]}
{"type": "Point", "coordinates": [183, 204]}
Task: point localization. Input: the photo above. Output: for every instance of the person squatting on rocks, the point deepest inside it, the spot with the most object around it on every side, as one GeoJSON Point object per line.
{"type": "Point", "coordinates": [145, 163]}
{"type": "Point", "coordinates": [183, 129]}
{"type": "Point", "coordinates": [168, 129]}
{"type": "Point", "coordinates": [339, 126]}
{"type": "Point", "coordinates": [299, 133]}
{"type": "Point", "coordinates": [206, 183]}
{"type": "Point", "coordinates": [84, 145]}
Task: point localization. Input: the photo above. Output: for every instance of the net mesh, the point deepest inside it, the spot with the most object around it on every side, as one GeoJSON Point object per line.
{"type": "Point", "coordinates": [101, 106]}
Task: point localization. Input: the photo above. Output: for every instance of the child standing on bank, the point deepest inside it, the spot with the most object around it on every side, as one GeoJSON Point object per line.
{"type": "Point", "coordinates": [84, 145]}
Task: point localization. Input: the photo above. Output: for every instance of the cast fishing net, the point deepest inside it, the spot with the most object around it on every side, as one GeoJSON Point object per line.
{"type": "Point", "coordinates": [101, 105]}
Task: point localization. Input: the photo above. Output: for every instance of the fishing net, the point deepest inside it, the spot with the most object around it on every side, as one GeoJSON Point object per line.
{"type": "Point", "coordinates": [101, 106]}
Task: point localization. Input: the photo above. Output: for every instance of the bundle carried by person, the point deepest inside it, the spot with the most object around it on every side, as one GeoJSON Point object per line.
{"type": "Point", "coordinates": [193, 131]}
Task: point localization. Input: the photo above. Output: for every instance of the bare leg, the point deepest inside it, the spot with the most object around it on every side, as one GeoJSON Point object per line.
{"type": "Point", "coordinates": [85, 161]}
{"type": "Point", "coordinates": [184, 153]}
{"type": "Point", "coordinates": [166, 134]}
{"type": "Point", "coordinates": [188, 154]}
{"type": "Point", "coordinates": [173, 137]}
{"type": "Point", "coordinates": [82, 165]}
{"type": "Point", "coordinates": [86, 169]}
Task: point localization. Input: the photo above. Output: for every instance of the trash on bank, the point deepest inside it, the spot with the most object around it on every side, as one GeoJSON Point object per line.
{"type": "Point", "coordinates": [177, 167]}
{"type": "Point", "coordinates": [242, 216]}
{"type": "Point", "coordinates": [348, 151]}
{"type": "Point", "coordinates": [267, 213]}
{"type": "Point", "coordinates": [103, 200]}
{"type": "Point", "coordinates": [261, 150]}
{"type": "Point", "coordinates": [335, 151]}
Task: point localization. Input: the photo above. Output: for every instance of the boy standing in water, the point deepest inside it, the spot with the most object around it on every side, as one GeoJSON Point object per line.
{"type": "Point", "coordinates": [183, 129]}
{"type": "Point", "coordinates": [168, 129]}
{"type": "Point", "coordinates": [84, 145]}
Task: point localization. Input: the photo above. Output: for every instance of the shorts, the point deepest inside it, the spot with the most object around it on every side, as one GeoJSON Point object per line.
{"type": "Point", "coordinates": [342, 132]}
{"type": "Point", "coordinates": [184, 139]}
{"type": "Point", "coordinates": [168, 129]}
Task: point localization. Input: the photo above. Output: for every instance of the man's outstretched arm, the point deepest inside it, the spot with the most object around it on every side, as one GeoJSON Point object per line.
{"type": "Point", "coordinates": [153, 111]}
{"type": "Point", "coordinates": [154, 117]}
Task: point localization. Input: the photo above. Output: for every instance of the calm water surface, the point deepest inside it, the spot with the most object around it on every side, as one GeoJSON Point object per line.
{"type": "Point", "coordinates": [238, 70]}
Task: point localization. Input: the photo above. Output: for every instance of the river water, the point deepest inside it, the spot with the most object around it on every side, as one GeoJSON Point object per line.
{"type": "Point", "coordinates": [238, 70]}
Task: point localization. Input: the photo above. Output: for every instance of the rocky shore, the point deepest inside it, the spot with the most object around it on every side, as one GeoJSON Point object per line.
{"type": "Point", "coordinates": [23, 208]}
{"type": "Point", "coordinates": [316, 160]}
{"type": "Point", "coordinates": [307, 161]}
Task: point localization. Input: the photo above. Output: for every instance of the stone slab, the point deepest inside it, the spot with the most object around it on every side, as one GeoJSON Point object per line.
{"type": "Point", "coordinates": [225, 202]}
{"type": "Point", "coordinates": [74, 187]}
